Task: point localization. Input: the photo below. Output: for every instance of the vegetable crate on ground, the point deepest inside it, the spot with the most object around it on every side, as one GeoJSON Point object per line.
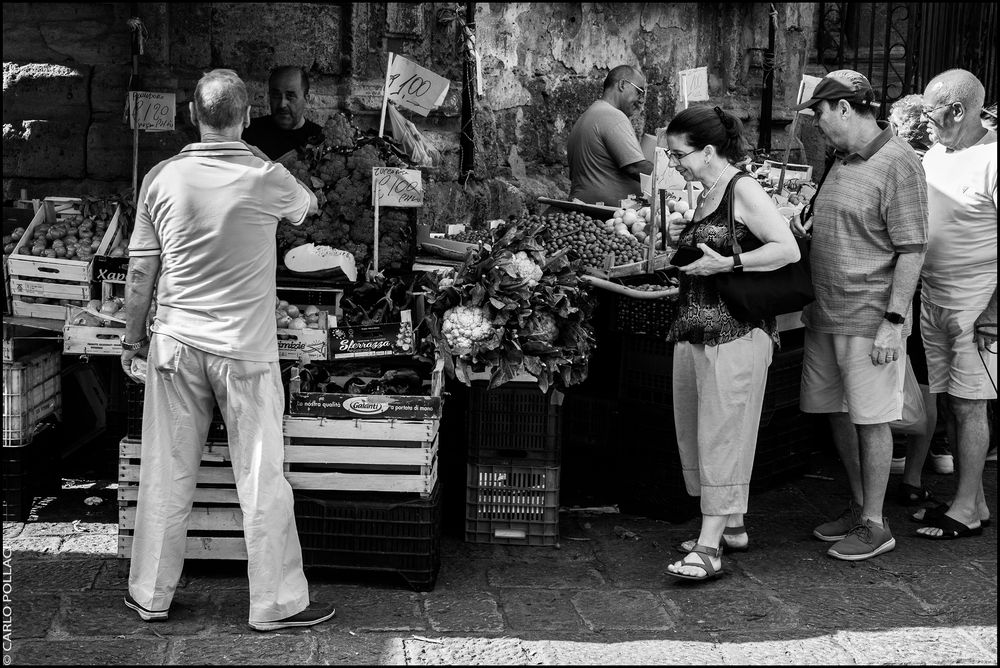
{"type": "Point", "coordinates": [36, 280]}
{"type": "Point", "coordinates": [32, 390]}
{"type": "Point", "coordinates": [512, 505]}
{"type": "Point", "coordinates": [29, 470]}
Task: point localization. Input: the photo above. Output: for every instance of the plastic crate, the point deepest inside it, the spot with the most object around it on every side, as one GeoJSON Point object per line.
{"type": "Point", "coordinates": [372, 532]}
{"type": "Point", "coordinates": [512, 505]}
{"type": "Point", "coordinates": [786, 447]}
{"type": "Point", "coordinates": [784, 378]}
{"type": "Point", "coordinates": [32, 390]}
{"type": "Point", "coordinates": [134, 400]}
{"type": "Point", "coordinates": [514, 423]}
{"type": "Point", "coordinates": [645, 316]}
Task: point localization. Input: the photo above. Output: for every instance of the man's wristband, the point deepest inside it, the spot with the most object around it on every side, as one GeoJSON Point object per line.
{"type": "Point", "coordinates": [134, 346]}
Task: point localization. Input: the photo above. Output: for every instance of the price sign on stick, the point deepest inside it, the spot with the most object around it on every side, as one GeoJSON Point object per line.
{"type": "Point", "coordinates": [153, 112]}
{"type": "Point", "coordinates": [694, 85]}
{"type": "Point", "coordinates": [414, 87]}
{"type": "Point", "coordinates": [392, 186]}
{"type": "Point", "coordinates": [806, 88]}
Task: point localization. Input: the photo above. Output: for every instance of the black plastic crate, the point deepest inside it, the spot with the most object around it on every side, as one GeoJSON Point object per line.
{"type": "Point", "coordinates": [372, 532]}
{"type": "Point", "coordinates": [645, 316]}
{"type": "Point", "coordinates": [784, 378]}
{"type": "Point", "coordinates": [786, 447]}
{"type": "Point", "coordinates": [135, 398]}
{"type": "Point", "coordinates": [514, 423]}
{"type": "Point", "coordinates": [512, 505]}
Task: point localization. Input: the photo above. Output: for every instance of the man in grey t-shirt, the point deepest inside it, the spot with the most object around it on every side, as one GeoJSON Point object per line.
{"type": "Point", "coordinates": [605, 159]}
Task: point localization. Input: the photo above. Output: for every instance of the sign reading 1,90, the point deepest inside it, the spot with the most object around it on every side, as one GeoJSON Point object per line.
{"type": "Point", "coordinates": [397, 187]}
{"type": "Point", "coordinates": [152, 111]}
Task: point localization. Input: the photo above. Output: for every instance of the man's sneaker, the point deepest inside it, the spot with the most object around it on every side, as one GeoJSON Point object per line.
{"type": "Point", "coordinates": [144, 613]}
{"type": "Point", "coordinates": [864, 541]}
{"type": "Point", "coordinates": [840, 527]}
{"type": "Point", "coordinates": [941, 459]}
{"type": "Point", "coordinates": [314, 614]}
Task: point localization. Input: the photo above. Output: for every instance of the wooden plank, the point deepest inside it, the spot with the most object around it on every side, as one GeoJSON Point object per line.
{"type": "Point", "coordinates": [78, 291]}
{"type": "Point", "coordinates": [341, 454]}
{"type": "Point", "coordinates": [130, 494]}
{"type": "Point", "coordinates": [364, 482]}
{"type": "Point", "coordinates": [198, 547]}
{"type": "Point", "coordinates": [211, 452]}
{"type": "Point", "coordinates": [361, 429]}
{"type": "Point", "coordinates": [214, 475]}
{"type": "Point", "coordinates": [202, 519]}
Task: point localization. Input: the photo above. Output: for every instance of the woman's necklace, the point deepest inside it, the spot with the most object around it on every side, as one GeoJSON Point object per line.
{"type": "Point", "coordinates": [708, 192]}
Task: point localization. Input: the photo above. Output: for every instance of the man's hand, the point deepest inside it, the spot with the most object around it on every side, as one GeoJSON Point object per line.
{"type": "Point", "coordinates": [127, 356]}
{"type": "Point", "coordinates": [986, 330]}
{"type": "Point", "coordinates": [798, 229]}
{"type": "Point", "coordinates": [888, 345]}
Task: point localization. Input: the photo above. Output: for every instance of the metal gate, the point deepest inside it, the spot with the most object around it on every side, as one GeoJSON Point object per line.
{"type": "Point", "coordinates": [900, 46]}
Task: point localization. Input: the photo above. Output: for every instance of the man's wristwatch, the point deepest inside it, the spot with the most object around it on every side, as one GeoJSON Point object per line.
{"type": "Point", "coordinates": [134, 346]}
{"type": "Point", "coordinates": [894, 318]}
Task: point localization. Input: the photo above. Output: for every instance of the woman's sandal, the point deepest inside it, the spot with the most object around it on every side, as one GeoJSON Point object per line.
{"type": "Point", "coordinates": [705, 565]}
{"type": "Point", "coordinates": [908, 495]}
{"type": "Point", "coordinates": [726, 546]}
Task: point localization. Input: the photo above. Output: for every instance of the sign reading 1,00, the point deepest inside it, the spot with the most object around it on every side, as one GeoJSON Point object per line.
{"type": "Point", "coordinates": [152, 111]}
{"type": "Point", "coordinates": [414, 86]}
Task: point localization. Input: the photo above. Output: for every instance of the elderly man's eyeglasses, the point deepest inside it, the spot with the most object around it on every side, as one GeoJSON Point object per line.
{"type": "Point", "coordinates": [642, 91]}
{"type": "Point", "coordinates": [924, 111]}
{"type": "Point", "coordinates": [676, 157]}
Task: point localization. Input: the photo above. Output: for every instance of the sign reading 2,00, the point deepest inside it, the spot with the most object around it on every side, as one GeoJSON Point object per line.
{"type": "Point", "coordinates": [392, 186]}
{"type": "Point", "coordinates": [152, 111]}
{"type": "Point", "coordinates": [414, 86]}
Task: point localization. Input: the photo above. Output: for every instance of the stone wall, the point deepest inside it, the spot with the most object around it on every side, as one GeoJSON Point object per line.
{"type": "Point", "coordinates": [67, 68]}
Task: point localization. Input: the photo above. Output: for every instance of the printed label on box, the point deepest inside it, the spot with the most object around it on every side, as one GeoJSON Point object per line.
{"type": "Point", "coordinates": [405, 407]}
{"type": "Point", "coordinates": [373, 340]}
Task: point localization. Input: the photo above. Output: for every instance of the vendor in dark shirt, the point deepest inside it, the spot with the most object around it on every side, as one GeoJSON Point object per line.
{"type": "Point", "coordinates": [286, 128]}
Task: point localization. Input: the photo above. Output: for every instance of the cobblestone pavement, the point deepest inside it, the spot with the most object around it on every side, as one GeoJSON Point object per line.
{"type": "Point", "coordinates": [600, 598]}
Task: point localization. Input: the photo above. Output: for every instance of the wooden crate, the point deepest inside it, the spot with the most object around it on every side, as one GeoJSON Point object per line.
{"type": "Point", "coordinates": [64, 279]}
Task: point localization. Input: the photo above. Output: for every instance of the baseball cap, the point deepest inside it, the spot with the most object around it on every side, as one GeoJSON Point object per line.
{"type": "Point", "coordinates": [841, 85]}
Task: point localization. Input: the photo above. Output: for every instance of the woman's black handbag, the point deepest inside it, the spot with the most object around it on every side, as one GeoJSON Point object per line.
{"type": "Point", "coordinates": [761, 295]}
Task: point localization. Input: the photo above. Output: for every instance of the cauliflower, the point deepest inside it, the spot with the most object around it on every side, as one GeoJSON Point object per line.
{"type": "Point", "coordinates": [465, 328]}
{"type": "Point", "coordinates": [523, 267]}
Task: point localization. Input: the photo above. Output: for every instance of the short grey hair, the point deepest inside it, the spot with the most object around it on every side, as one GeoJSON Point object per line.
{"type": "Point", "coordinates": [220, 99]}
{"type": "Point", "coordinates": [959, 86]}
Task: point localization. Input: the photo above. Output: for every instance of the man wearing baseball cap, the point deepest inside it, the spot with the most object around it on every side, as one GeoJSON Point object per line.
{"type": "Point", "coordinates": [869, 236]}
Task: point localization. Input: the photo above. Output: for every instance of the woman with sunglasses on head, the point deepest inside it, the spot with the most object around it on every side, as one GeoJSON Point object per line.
{"type": "Point", "coordinates": [720, 362]}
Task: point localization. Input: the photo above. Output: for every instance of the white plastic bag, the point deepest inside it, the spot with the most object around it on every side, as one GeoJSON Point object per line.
{"type": "Point", "coordinates": [914, 410]}
{"type": "Point", "coordinates": [421, 151]}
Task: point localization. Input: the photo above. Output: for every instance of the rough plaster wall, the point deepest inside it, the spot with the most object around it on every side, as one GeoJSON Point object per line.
{"type": "Point", "coordinates": [67, 66]}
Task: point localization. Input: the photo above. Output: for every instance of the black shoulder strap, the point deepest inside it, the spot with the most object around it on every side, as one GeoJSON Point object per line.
{"type": "Point", "coordinates": [731, 194]}
{"type": "Point", "coordinates": [807, 212]}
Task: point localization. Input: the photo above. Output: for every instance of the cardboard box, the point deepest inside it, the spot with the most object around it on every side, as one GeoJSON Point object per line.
{"type": "Point", "coordinates": [371, 406]}
{"type": "Point", "coordinates": [383, 340]}
{"type": "Point", "coordinates": [313, 343]}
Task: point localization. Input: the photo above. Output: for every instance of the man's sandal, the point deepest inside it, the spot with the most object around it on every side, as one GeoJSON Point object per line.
{"type": "Point", "coordinates": [933, 514]}
{"type": "Point", "coordinates": [705, 565]}
{"type": "Point", "coordinates": [950, 529]}
{"type": "Point", "coordinates": [909, 495]}
{"type": "Point", "coordinates": [726, 546]}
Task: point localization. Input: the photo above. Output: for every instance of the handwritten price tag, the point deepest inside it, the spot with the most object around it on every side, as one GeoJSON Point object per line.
{"type": "Point", "coordinates": [694, 84]}
{"type": "Point", "coordinates": [392, 186]}
{"type": "Point", "coordinates": [414, 87]}
{"type": "Point", "coordinates": [152, 111]}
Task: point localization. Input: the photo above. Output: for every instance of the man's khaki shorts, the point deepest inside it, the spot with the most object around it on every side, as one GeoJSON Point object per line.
{"type": "Point", "coordinates": [838, 377]}
{"type": "Point", "coordinates": [954, 364]}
